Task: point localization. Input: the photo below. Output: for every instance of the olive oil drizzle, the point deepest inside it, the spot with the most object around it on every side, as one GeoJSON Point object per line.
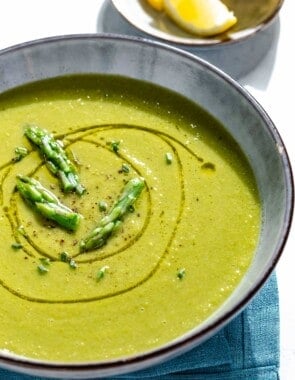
{"type": "Point", "coordinates": [85, 131]}
{"type": "Point", "coordinates": [4, 176]}
{"type": "Point", "coordinates": [84, 135]}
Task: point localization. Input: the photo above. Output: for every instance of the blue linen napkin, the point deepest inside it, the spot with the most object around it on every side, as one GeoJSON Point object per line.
{"type": "Point", "coordinates": [247, 348]}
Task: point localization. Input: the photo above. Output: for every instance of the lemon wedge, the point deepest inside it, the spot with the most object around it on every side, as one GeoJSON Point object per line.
{"type": "Point", "coordinates": [201, 17]}
{"type": "Point", "coordinates": [158, 5]}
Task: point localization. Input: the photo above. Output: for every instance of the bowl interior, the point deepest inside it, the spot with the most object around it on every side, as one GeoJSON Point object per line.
{"type": "Point", "coordinates": [252, 16]}
{"type": "Point", "coordinates": [241, 115]}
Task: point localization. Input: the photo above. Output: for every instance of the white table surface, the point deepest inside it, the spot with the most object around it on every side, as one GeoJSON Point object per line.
{"type": "Point", "coordinates": [272, 83]}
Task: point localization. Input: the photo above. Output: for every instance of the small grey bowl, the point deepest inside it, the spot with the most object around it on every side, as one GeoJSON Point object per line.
{"type": "Point", "coordinates": [217, 93]}
{"type": "Point", "coordinates": [236, 52]}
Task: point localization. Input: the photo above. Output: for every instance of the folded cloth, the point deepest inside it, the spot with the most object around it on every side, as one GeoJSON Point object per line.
{"type": "Point", "coordinates": [247, 348]}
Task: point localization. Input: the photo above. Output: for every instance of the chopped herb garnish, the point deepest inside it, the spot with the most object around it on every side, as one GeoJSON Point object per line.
{"type": "Point", "coordinates": [101, 273]}
{"type": "Point", "coordinates": [181, 273]}
{"type": "Point", "coordinates": [73, 264]}
{"type": "Point", "coordinates": [42, 269]}
{"type": "Point", "coordinates": [115, 146]}
{"type": "Point", "coordinates": [168, 158]}
{"type": "Point", "coordinates": [125, 168]}
{"type": "Point", "coordinates": [20, 153]}
{"type": "Point", "coordinates": [45, 261]}
{"type": "Point", "coordinates": [16, 246]}
{"type": "Point", "coordinates": [102, 205]}
{"type": "Point", "coordinates": [65, 257]}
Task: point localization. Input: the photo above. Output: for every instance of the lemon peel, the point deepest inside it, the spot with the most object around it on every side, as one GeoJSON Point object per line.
{"type": "Point", "coordinates": [202, 17]}
{"type": "Point", "coordinates": [158, 5]}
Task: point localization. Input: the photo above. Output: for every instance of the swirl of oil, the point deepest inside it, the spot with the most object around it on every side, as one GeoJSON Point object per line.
{"type": "Point", "coordinates": [15, 220]}
{"type": "Point", "coordinates": [83, 135]}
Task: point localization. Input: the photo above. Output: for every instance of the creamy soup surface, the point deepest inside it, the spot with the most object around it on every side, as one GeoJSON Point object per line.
{"type": "Point", "coordinates": [176, 257]}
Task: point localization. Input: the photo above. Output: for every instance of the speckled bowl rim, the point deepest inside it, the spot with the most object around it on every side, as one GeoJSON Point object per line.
{"type": "Point", "coordinates": [182, 344]}
{"type": "Point", "coordinates": [186, 43]}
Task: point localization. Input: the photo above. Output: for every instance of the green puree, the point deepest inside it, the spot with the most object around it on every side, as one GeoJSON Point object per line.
{"type": "Point", "coordinates": [179, 252]}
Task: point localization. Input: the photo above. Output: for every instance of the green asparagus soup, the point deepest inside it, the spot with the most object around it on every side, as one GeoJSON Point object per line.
{"type": "Point", "coordinates": [139, 267]}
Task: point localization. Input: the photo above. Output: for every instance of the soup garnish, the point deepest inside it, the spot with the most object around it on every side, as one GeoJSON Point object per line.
{"type": "Point", "coordinates": [188, 233]}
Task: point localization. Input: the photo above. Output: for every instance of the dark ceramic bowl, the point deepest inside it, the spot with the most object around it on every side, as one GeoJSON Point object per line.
{"type": "Point", "coordinates": [217, 93]}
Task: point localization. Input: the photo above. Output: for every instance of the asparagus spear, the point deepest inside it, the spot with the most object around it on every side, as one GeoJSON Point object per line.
{"type": "Point", "coordinates": [56, 158]}
{"type": "Point", "coordinates": [46, 203]}
{"type": "Point", "coordinates": [110, 223]}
